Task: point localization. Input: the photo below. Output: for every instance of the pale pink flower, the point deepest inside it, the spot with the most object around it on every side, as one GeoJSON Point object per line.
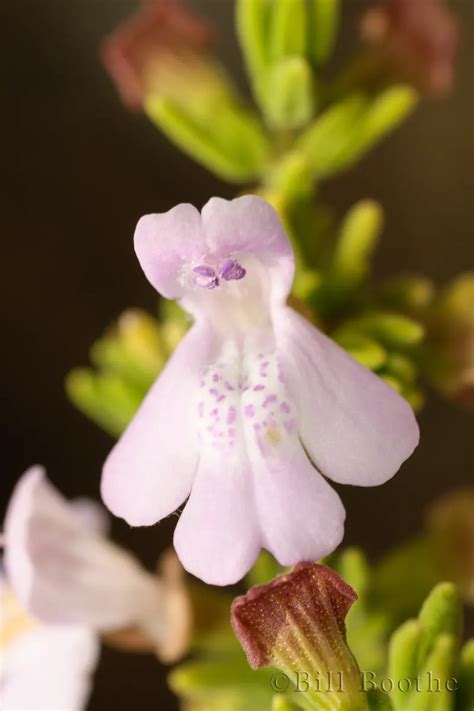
{"type": "Point", "coordinates": [74, 584]}
{"type": "Point", "coordinates": [43, 666]}
{"type": "Point", "coordinates": [254, 406]}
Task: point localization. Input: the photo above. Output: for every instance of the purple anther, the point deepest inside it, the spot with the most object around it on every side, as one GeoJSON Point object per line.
{"type": "Point", "coordinates": [231, 270]}
{"type": "Point", "coordinates": [205, 277]}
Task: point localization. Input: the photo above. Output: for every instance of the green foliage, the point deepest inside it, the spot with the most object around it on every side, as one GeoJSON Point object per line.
{"type": "Point", "coordinates": [322, 28]}
{"type": "Point", "coordinates": [126, 361]}
{"type": "Point", "coordinates": [424, 652]}
{"type": "Point", "coordinates": [232, 145]}
{"type": "Point", "coordinates": [465, 698]}
{"type": "Point", "coordinates": [309, 125]}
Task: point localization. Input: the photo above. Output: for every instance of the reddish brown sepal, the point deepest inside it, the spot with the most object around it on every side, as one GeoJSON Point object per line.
{"type": "Point", "coordinates": [418, 40]}
{"type": "Point", "coordinates": [160, 28]}
{"type": "Point", "coordinates": [311, 602]}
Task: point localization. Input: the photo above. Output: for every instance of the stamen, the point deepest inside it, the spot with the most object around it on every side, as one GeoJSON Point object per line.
{"type": "Point", "coordinates": [205, 277]}
{"type": "Point", "coordinates": [231, 270]}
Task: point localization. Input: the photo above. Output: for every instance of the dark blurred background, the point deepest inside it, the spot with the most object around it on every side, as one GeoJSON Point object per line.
{"type": "Point", "coordinates": [79, 170]}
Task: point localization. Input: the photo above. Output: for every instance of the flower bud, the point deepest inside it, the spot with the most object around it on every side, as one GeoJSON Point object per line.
{"type": "Point", "coordinates": [451, 524]}
{"type": "Point", "coordinates": [138, 53]}
{"type": "Point", "coordinates": [296, 623]}
{"type": "Point", "coordinates": [415, 41]}
{"type": "Point", "coordinates": [450, 327]}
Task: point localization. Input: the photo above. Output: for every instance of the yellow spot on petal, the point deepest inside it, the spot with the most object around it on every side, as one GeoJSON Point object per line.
{"type": "Point", "coordinates": [273, 435]}
{"type": "Point", "coordinates": [14, 622]}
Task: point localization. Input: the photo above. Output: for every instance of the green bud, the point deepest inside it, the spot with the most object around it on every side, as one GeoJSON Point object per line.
{"type": "Point", "coordinates": [322, 28]}
{"type": "Point", "coordinates": [392, 382]}
{"type": "Point", "coordinates": [413, 562]}
{"type": "Point", "coordinates": [466, 678]}
{"type": "Point", "coordinates": [353, 567]}
{"type": "Point", "coordinates": [132, 350]}
{"type": "Point", "coordinates": [358, 238]}
{"type": "Point", "coordinates": [401, 367]}
{"type": "Point", "coordinates": [174, 323]}
{"type": "Point", "coordinates": [383, 114]}
{"type": "Point", "coordinates": [441, 614]}
{"type": "Point", "coordinates": [411, 293]}
{"type": "Point", "coordinates": [105, 398]}
{"type": "Point", "coordinates": [379, 701]}
{"type": "Point", "coordinates": [415, 396]}
{"type": "Point", "coordinates": [391, 329]}
{"type": "Point", "coordinates": [281, 703]}
{"type": "Point", "coordinates": [306, 282]}
{"type": "Point", "coordinates": [285, 178]}
{"type": "Point", "coordinates": [403, 658]}
{"type": "Point", "coordinates": [226, 138]}
{"type": "Point", "coordinates": [328, 141]}
{"type": "Point", "coordinates": [252, 20]}
{"type": "Point", "coordinates": [287, 35]}
{"type": "Point", "coordinates": [363, 349]}
{"type": "Point", "coordinates": [434, 691]}
{"type": "Point", "coordinates": [450, 523]}
{"type": "Point", "coordinates": [290, 98]}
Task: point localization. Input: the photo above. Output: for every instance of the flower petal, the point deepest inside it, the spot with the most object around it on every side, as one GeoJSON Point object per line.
{"type": "Point", "coordinates": [165, 242]}
{"type": "Point", "coordinates": [216, 537]}
{"type": "Point", "coordinates": [63, 572]}
{"type": "Point", "coordinates": [49, 668]}
{"type": "Point", "coordinates": [250, 225]}
{"type": "Point", "coordinates": [301, 516]}
{"type": "Point", "coordinates": [356, 429]}
{"type": "Point", "coordinates": [149, 472]}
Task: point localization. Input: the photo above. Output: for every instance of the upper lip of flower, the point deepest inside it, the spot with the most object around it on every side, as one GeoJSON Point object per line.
{"type": "Point", "coordinates": [275, 392]}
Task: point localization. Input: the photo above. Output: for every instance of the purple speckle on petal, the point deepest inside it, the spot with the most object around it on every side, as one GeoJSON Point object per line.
{"type": "Point", "coordinates": [228, 386]}
{"type": "Point", "coordinates": [205, 277]}
{"type": "Point", "coordinates": [269, 399]}
{"type": "Point", "coordinates": [214, 412]}
{"type": "Point", "coordinates": [221, 398]}
{"type": "Point", "coordinates": [284, 407]}
{"type": "Point", "coordinates": [249, 411]}
{"type": "Point", "coordinates": [216, 378]}
{"type": "Point", "coordinates": [231, 416]}
{"type": "Point", "coordinates": [257, 388]}
{"type": "Point", "coordinates": [231, 270]}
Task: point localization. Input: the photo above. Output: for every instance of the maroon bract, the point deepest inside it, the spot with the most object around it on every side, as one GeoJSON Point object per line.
{"type": "Point", "coordinates": [135, 53]}
{"type": "Point", "coordinates": [305, 607]}
{"type": "Point", "coordinates": [417, 39]}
